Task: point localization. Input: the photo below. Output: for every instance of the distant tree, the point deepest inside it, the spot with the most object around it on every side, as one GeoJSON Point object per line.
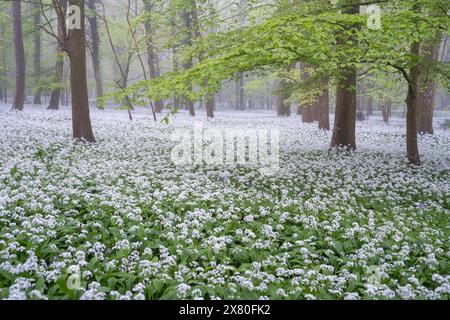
{"type": "Point", "coordinates": [37, 53]}
{"type": "Point", "coordinates": [95, 48]}
{"type": "Point", "coordinates": [55, 95]}
{"type": "Point", "coordinates": [283, 104]}
{"type": "Point", "coordinates": [427, 92]}
{"type": "Point", "coordinates": [19, 89]}
{"type": "Point", "coordinates": [307, 111]}
{"type": "Point", "coordinates": [152, 56]}
{"type": "Point", "coordinates": [323, 106]}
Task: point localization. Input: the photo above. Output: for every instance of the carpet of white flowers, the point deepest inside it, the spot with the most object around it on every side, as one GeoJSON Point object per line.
{"type": "Point", "coordinates": [137, 227]}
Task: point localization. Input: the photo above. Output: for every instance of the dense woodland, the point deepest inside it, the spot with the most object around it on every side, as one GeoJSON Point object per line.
{"type": "Point", "coordinates": [95, 93]}
{"type": "Point", "coordinates": [183, 54]}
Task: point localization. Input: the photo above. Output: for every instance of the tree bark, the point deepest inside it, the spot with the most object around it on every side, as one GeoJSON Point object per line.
{"type": "Point", "coordinates": [59, 66]}
{"type": "Point", "coordinates": [152, 58]}
{"type": "Point", "coordinates": [345, 114]}
{"type": "Point", "coordinates": [369, 106]}
{"type": "Point", "coordinates": [412, 147]}
{"type": "Point", "coordinates": [283, 108]}
{"type": "Point", "coordinates": [240, 92]}
{"type": "Point", "coordinates": [4, 75]}
{"type": "Point", "coordinates": [306, 110]}
{"type": "Point", "coordinates": [37, 54]}
{"type": "Point", "coordinates": [210, 106]}
{"type": "Point", "coordinates": [75, 47]}
{"type": "Point", "coordinates": [95, 49]}
{"type": "Point", "coordinates": [324, 108]}
{"type": "Point", "coordinates": [386, 109]}
{"type": "Point", "coordinates": [187, 19]}
{"type": "Point", "coordinates": [19, 91]}
{"type": "Point", "coordinates": [1, 89]}
{"type": "Point", "coordinates": [427, 89]}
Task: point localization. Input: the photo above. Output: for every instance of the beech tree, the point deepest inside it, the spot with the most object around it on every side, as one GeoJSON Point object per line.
{"type": "Point", "coordinates": [37, 53]}
{"type": "Point", "coordinates": [95, 48]}
{"type": "Point", "coordinates": [152, 56]}
{"type": "Point", "coordinates": [19, 89]}
{"type": "Point", "coordinates": [55, 96]}
{"type": "Point", "coordinates": [283, 105]}
{"type": "Point", "coordinates": [72, 40]}
{"type": "Point", "coordinates": [345, 113]}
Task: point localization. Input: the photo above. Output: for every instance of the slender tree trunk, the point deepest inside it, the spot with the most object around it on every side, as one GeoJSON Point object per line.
{"type": "Point", "coordinates": [81, 121]}
{"type": "Point", "coordinates": [95, 49]}
{"type": "Point", "coordinates": [59, 70]}
{"type": "Point", "coordinates": [369, 107]}
{"type": "Point", "coordinates": [427, 89]}
{"type": "Point", "coordinates": [176, 99]}
{"type": "Point", "coordinates": [59, 67]}
{"type": "Point", "coordinates": [283, 107]}
{"type": "Point", "coordinates": [324, 108]}
{"type": "Point", "coordinates": [37, 54]}
{"type": "Point", "coordinates": [210, 106]}
{"type": "Point", "coordinates": [345, 114]}
{"type": "Point", "coordinates": [152, 58]}
{"type": "Point", "coordinates": [307, 111]}
{"type": "Point", "coordinates": [1, 89]}
{"type": "Point", "coordinates": [412, 147]}
{"type": "Point", "coordinates": [386, 109]}
{"type": "Point", "coordinates": [4, 75]}
{"type": "Point", "coordinates": [19, 91]}
{"type": "Point", "coordinates": [187, 19]}
{"type": "Point", "coordinates": [240, 92]}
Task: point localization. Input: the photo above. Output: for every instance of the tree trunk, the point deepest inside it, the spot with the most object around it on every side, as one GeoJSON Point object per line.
{"type": "Point", "coordinates": [187, 19]}
{"type": "Point", "coordinates": [240, 92]}
{"type": "Point", "coordinates": [59, 70]}
{"type": "Point", "coordinates": [1, 89]}
{"type": "Point", "coordinates": [324, 108]}
{"type": "Point", "coordinates": [37, 54]}
{"type": "Point", "coordinates": [369, 107]}
{"type": "Point", "coordinates": [306, 110]}
{"type": "Point", "coordinates": [412, 147]}
{"type": "Point", "coordinates": [152, 58]}
{"type": "Point", "coordinates": [210, 106]}
{"type": "Point", "coordinates": [427, 90]}
{"type": "Point", "coordinates": [345, 114]}
{"type": "Point", "coordinates": [4, 75]}
{"type": "Point", "coordinates": [19, 91]}
{"type": "Point", "coordinates": [95, 49]}
{"type": "Point", "coordinates": [386, 109]}
{"type": "Point", "coordinates": [59, 67]}
{"type": "Point", "coordinates": [283, 108]}
{"type": "Point", "coordinates": [81, 121]}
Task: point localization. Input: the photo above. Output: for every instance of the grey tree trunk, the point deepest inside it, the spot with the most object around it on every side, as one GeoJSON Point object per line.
{"type": "Point", "coordinates": [19, 89]}
{"type": "Point", "coordinates": [95, 49]}
{"type": "Point", "coordinates": [427, 89]}
{"type": "Point", "coordinates": [324, 108]}
{"type": "Point", "coordinates": [152, 58]}
{"type": "Point", "coordinates": [412, 147]}
{"type": "Point", "coordinates": [306, 111]}
{"type": "Point", "coordinates": [37, 54]}
{"type": "Point", "coordinates": [283, 107]}
{"type": "Point", "coordinates": [59, 66]}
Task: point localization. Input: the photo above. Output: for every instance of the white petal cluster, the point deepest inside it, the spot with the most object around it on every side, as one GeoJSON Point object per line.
{"type": "Point", "coordinates": [328, 225]}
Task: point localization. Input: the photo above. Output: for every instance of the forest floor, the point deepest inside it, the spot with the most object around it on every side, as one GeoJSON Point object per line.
{"type": "Point", "coordinates": [117, 220]}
